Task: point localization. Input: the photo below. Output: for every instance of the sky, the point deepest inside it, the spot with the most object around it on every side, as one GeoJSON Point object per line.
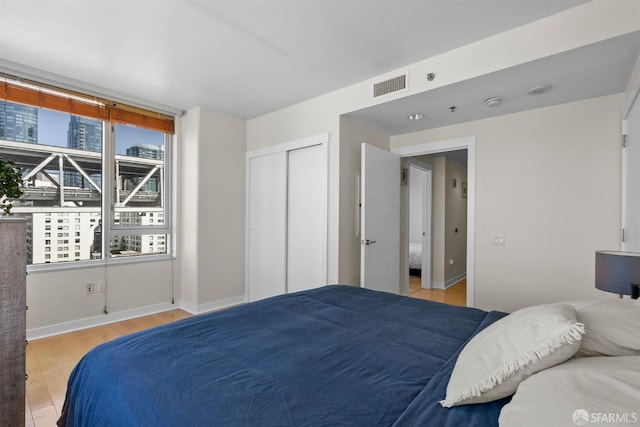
{"type": "Point", "coordinates": [53, 125]}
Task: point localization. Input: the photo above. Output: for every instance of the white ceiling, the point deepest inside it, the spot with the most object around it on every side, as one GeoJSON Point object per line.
{"type": "Point", "coordinates": [599, 69]}
{"type": "Point", "coordinates": [250, 57]}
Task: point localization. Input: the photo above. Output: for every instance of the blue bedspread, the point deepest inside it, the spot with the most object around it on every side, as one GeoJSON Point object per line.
{"type": "Point", "coordinates": [333, 356]}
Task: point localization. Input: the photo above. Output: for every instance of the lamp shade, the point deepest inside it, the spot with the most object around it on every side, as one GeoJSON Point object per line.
{"type": "Point", "coordinates": [617, 271]}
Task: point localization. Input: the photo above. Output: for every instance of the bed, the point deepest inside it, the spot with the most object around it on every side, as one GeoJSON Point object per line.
{"type": "Point", "coordinates": [336, 355]}
{"type": "Point", "coordinates": [415, 256]}
{"type": "Point", "coordinates": [346, 356]}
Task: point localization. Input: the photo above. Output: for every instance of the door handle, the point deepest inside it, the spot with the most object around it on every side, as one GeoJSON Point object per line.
{"type": "Point", "coordinates": [369, 242]}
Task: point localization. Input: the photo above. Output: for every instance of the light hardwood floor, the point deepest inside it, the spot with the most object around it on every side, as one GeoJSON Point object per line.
{"type": "Point", "coordinates": [50, 361]}
{"type": "Point", "coordinates": [454, 295]}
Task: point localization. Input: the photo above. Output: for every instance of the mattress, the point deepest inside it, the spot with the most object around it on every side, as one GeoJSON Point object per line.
{"type": "Point", "coordinates": [336, 355]}
{"type": "Point", "coordinates": [415, 256]}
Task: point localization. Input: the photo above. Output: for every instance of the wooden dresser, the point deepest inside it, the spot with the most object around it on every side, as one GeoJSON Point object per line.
{"type": "Point", "coordinates": [12, 320]}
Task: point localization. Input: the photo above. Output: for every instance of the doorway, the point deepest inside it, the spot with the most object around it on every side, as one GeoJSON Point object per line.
{"type": "Point", "coordinates": [420, 198]}
{"type": "Point", "coordinates": [467, 143]}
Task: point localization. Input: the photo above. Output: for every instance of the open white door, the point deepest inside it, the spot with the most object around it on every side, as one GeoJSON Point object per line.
{"type": "Point", "coordinates": [420, 208]}
{"type": "Point", "coordinates": [631, 180]}
{"type": "Point", "coordinates": [380, 220]}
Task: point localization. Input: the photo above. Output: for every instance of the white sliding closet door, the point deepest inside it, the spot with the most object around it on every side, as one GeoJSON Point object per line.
{"type": "Point", "coordinates": [307, 220]}
{"type": "Point", "coordinates": [287, 218]}
{"type": "Point", "coordinates": [267, 226]}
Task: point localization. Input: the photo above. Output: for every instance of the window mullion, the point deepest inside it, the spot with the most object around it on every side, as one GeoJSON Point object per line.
{"type": "Point", "coordinates": [167, 183]}
{"type": "Point", "coordinates": [108, 167]}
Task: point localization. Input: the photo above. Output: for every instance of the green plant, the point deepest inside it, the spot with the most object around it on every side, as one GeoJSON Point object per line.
{"type": "Point", "coordinates": [10, 184]}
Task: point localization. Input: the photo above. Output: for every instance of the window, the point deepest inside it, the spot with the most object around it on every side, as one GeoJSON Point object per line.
{"type": "Point", "coordinates": [69, 152]}
{"type": "Point", "coordinates": [140, 190]}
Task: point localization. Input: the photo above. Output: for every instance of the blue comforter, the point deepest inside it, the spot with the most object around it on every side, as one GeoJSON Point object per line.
{"type": "Point", "coordinates": [332, 356]}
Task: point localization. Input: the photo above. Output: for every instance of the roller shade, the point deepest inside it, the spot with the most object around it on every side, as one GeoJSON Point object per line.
{"type": "Point", "coordinates": [57, 99]}
{"type": "Point", "coordinates": [125, 114]}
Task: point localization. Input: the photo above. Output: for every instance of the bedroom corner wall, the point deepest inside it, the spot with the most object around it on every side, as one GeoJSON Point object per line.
{"type": "Point", "coordinates": [187, 252]}
{"type": "Point", "coordinates": [212, 210]}
{"type": "Point", "coordinates": [549, 180]}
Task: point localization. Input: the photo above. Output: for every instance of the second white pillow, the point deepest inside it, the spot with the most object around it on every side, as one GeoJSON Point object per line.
{"type": "Point", "coordinates": [612, 327]}
{"type": "Point", "coordinates": [498, 358]}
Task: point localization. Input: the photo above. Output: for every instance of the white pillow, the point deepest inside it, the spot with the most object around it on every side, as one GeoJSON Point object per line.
{"type": "Point", "coordinates": [582, 390]}
{"type": "Point", "coordinates": [612, 327]}
{"type": "Point", "coordinates": [497, 359]}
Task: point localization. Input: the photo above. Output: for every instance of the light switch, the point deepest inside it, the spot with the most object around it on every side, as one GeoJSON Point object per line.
{"type": "Point", "coordinates": [498, 239]}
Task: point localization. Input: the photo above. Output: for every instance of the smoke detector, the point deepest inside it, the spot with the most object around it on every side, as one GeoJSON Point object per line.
{"type": "Point", "coordinates": [492, 102]}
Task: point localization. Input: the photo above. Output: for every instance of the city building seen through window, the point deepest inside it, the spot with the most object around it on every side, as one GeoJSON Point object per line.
{"type": "Point", "coordinates": [67, 179]}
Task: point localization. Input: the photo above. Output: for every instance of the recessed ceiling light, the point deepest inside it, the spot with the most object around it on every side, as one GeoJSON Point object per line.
{"type": "Point", "coordinates": [492, 102]}
{"type": "Point", "coordinates": [416, 116]}
{"type": "Point", "coordinates": [537, 90]}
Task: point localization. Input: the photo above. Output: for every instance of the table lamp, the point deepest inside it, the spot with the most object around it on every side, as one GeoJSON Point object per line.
{"type": "Point", "coordinates": [618, 272]}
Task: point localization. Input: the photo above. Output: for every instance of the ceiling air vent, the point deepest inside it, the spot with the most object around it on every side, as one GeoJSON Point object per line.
{"type": "Point", "coordinates": [391, 85]}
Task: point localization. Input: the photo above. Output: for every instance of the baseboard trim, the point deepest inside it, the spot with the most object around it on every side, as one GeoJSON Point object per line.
{"type": "Point", "coordinates": [213, 305]}
{"type": "Point", "coordinates": [455, 280]}
{"type": "Point", "coordinates": [90, 322]}
{"type": "Point", "coordinates": [438, 285]}
{"type": "Point", "coordinates": [450, 282]}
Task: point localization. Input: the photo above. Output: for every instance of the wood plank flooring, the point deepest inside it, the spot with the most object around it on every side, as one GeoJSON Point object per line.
{"type": "Point", "coordinates": [50, 360]}
{"type": "Point", "coordinates": [454, 295]}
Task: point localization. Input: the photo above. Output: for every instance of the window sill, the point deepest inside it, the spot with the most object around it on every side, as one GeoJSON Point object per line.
{"type": "Point", "coordinates": [102, 263]}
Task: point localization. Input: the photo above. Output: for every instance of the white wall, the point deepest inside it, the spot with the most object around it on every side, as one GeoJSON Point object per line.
{"type": "Point", "coordinates": [455, 218]}
{"type": "Point", "coordinates": [549, 180]}
{"type": "Point", "coordinates": [188, 217]}
{"type": "Point", "coordinates": [212, 211]}
{"type": "Point", "coordinates": [591, 22]}
{"type": "Point", "coordinates": [416, 203]}
{"type": "Point", "coordinates": [439, 220]}
{"type": "Point", "coordinates": [58, 301]}
{"type": "Point", "coordinates": [631, 92]}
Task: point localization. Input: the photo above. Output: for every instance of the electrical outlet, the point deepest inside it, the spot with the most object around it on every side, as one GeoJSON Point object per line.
{"type": "Point", "coordinates": [91, 288]}
{"type": "Point", "coordinates": [102, 286]}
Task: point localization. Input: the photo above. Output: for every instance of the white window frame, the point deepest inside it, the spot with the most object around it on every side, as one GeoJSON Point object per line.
{"type": "Point", "coordinates": [109, 229]}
